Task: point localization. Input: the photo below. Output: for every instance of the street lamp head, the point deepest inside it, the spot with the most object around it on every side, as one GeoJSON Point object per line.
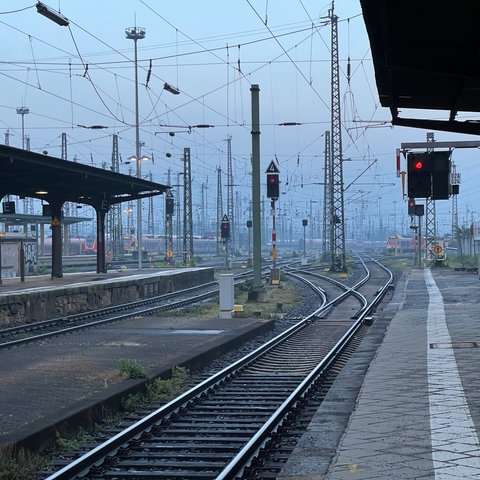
{"type": "Point", "coordinates": [51, 14]}
{"type": "Point", "coordinates": [133, 158]}
{"type": "Point", "coordinates": [171, 89]}
{"type": "Point", "coordinates": [135, 33]}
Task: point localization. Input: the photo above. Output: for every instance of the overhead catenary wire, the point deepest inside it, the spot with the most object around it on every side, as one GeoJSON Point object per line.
{"type": "Point", "coordinates": [244, 71]}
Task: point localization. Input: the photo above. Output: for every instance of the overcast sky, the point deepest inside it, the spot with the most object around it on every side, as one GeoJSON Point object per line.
{"type": "Point", "coordinates": [82, 75]}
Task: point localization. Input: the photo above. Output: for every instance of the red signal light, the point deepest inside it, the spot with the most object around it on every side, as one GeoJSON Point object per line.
{"type": "Point", "coordinates": [273, 185]}
{"type": "Point", "coordinates": [418, 165]}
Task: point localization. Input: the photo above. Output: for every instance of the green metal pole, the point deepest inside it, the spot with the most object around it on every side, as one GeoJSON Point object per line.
{"type": "Point", "coordinates": [257, 236]}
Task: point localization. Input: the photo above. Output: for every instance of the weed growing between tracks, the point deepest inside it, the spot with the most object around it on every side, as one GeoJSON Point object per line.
{"type": "Point", "coordinates": [80, 439]}
{"type": "Point", "coordinates": [18, 464]}
{"type": "Point", "coordinates": [283, 297]}
{"type": "Point", "coordinates": [159, 390]}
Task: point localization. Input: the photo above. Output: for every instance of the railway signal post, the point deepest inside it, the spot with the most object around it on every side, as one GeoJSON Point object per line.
{"type": "Point", "coordinates": [273, 192]}
{"type": "Point", "coordinates": [249, 259]}
{"type": "Point", "coordinates": [225, 236]}
{"type": "Point", "coordinates": [169, 212]}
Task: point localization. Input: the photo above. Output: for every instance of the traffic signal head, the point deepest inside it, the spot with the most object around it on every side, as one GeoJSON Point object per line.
{"type": "Point", "coordinates": [225, 230]}
{"type": "Point", "coordinates": [419, 175]}
{"type": "Point", "coordinates": [273, 185]}
{"type": "Point", "coordinates": [441, 173]}
{"type": "Point", "coordinates": [411, 206]}
{"type": "Point", "coordinates": [169, 205]}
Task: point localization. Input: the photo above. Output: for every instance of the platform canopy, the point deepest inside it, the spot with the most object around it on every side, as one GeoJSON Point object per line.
{"type": "Point", "coordinates": [35, 175]}
{"type": "Point", "coordinates": [426, 56]}
{"type": "Point", "coordinates": [25, 218]}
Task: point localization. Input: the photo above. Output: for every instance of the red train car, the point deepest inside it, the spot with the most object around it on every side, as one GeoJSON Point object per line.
{"type": "Point", "coordinates": [75, 246]}
{"type": "Point", "coordinates": [401, 244]}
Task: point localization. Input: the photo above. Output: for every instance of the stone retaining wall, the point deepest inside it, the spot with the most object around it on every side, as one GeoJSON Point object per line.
{"type": "Point", "coordinates": [47, 303]}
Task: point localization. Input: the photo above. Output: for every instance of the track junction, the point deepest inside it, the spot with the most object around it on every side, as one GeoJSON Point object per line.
{"type": "Point", "coordinates": [230, 424]}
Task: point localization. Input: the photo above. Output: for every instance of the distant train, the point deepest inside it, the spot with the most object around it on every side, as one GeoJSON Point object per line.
{"type": "Point", "coordinates": [401, 244]}
{"type": "Point", "coordinates": [75, 246]}
{"type": "Point", "coordinates": [157, 245]}
{"type": "Point", "coordinates": [151, 245]}
{"type": "Point", "coordinates": [317, 244]}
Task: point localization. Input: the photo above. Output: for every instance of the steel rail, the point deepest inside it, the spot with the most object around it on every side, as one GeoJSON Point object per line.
{"type": "Point", "coordinates": [135, 308]}
{"type": "Point", "coordinates": [242, 459]}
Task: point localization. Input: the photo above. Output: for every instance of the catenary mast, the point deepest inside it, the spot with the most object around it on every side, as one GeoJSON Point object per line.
{"type": "Point", "coordinates": [337, 247]}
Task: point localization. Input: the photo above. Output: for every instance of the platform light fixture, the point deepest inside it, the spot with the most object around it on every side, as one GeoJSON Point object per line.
{"type": "Point", "coordinates": [171, 88]}
{"type": "Point", "coordinates": [23, 111]}
{"type": "Point", "coordinates": [135, 34]}
{"type": "Point", "coordinates": [52, 15]}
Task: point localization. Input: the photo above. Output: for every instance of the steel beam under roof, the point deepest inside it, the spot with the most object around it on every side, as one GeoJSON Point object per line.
{"type": "Point", "coordinates": [27, 173]}
{"type": "Point", "coordinates": [56, 181]}
{"type": "Point", "coordinates": [426, 56]}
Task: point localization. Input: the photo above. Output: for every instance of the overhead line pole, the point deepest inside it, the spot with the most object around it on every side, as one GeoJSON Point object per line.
{"type": "Point", "coordinates": [327, 198]}
{"type": "Point", "coordinates": [257, 290]}
{"type": "Point", "coordinates": [430, 217]}
{"type": "Point", "coordinates": [337, 247]}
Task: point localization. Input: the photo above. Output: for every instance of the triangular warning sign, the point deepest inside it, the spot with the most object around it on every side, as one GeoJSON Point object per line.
{"type": "Point", "coordinates": [225, 218]}
{"type": "Point", "coordinates": [272, 168]}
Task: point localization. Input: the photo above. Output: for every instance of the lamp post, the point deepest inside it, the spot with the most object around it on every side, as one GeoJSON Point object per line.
{"type": "Point", "coordinates": [23, 111]}
{"type": "Point", "coordinates": [135, 34]}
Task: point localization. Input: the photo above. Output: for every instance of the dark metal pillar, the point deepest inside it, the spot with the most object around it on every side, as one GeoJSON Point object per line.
{"type": "Point", "coordinates": [257, 238]}
{"type": "Point", "coordinates": [101, 264]}
{"type": "Point", "coordinates": [57, 267]}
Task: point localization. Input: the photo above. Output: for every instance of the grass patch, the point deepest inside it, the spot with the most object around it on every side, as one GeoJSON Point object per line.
{"type": "Point", "coordinates": [132, 402]}
{"type": "Point", "coordinates": [285, 293]}
{"type": "Point", "coordinates": [79, 440]}
{"type": "Point", "coordinates": [164, 390]}
{"type": "Point", "coordinates": [18, 464]}
{"type": "Point", "coordinates": [132, 369]}
{"type": "Point", "coordinates": [159, 390]}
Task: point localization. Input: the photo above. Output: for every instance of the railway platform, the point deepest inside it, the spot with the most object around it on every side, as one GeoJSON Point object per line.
{"type": "Point", "coordinates": [407, 403]}
{"type": "Point", "coordinates": [76, 378]}
{"type": "Point", "coordinates": [405, 406]}
{"type": "Point", "coordinates": [43, 297]}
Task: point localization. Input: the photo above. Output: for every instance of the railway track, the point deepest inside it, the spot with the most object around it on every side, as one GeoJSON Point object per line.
{"type": "Point", "coordinates": [232, 424]}
{"type": "Point", "coordinates": [31, 332]}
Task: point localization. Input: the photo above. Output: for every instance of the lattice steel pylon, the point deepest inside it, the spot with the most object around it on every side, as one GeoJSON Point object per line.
{"type": "Point", "coordinates": [115, 213]}
{"type": "Point", "coordinates": [219, 210]}
{"type": "Point", "coordinates": [337, 246]}
{"type": "Point", "coordinates": [454, 206]}
{"type": "Point", "coordinates": [230, 204]}
{"type": "Point", "coordinates": [187, 208]}
{"type": "Point", "coordinates": [67, 208]}
{"type": "Point", "coordinates": [151, 210]}
{"type": "Point", "coordinates": [327, 232]}
{"type": "Point", "coordinates": [430, 220]}
{"type": "Point", "coordinates": [64, 156]}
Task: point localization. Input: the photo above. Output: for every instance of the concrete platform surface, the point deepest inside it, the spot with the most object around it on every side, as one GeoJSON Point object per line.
{"type": "Point", "coordinates": [42, 384]}
{"type": "Point", "coordinates": [417, 413]}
